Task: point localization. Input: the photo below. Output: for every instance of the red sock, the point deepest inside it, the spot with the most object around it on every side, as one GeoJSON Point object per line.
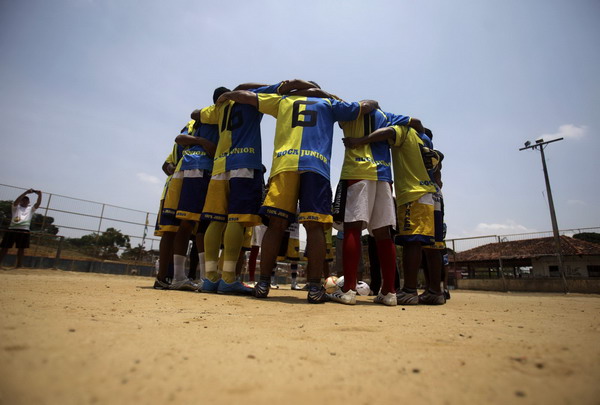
{"type": "Point", "coordinates": [386, 251]}
{"type": "Point", "coordinates": [352, 248]}
{"type": "Point", "coordinates": [252, 262]}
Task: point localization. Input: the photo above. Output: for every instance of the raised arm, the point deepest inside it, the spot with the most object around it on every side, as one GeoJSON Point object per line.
{"type": "Point", "coordinates": [19, 198]}
{"type": "Point", "coordinates": [39, 199]}
{"type": "Point", "coordinates": [239, 96]}
{"type": "Point", "coordinates": [378, 135]}
{"type": "Point", "coordinates": [186, 140]}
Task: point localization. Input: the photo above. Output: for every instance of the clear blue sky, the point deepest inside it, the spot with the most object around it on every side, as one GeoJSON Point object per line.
{"type": "Point", "coordinates": [93, 92]}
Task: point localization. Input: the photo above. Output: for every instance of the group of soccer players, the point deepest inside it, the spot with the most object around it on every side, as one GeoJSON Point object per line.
{"type": "Point", "coordinates": [217, 192]}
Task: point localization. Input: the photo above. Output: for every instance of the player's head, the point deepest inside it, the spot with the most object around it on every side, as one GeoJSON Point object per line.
{"type": "Point", "coordinates": [218, 92]}
{"type": "Point", "coordinates": [315, 83]}
{"type": "Point", "coordinates": [428, 133]}
{"type": "Point", "coordinates": [24, 201]}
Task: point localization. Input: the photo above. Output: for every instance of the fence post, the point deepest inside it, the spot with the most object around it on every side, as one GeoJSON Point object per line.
{"type": "Point", "coordinates": [58, 251]}
{"type": "Point", "coordinates": [46, 212]}
{"type": "Point", "coordinates": [454, 264]}
{"type": "Point", "coordinates": [500, 263]}
{"type": "Point", "coordinates": [98, 233]}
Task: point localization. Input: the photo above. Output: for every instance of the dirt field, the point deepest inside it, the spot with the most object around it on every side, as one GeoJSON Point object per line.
{"type": "Point", "coordinates": [78, 338]}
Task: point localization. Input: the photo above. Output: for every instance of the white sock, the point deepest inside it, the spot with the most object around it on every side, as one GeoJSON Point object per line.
{"type": "Point", "coordinates": [229, 271]}
{"type": "Point", "coordinates": [210, 266]}
{"type": "Point", "coordinates": [178, 268]}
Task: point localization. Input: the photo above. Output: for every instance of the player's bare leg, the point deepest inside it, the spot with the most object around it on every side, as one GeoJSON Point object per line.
{"type": "Point", "coordinates": [386, 253]}
{"type": "Point", "coordinates": [268, 254]}
{"type": "Point", "coordinates": [411, 260]}
{"type": "Point", "coordinates": [165, 256]}
{"type": "Point", "coordinates": [316, 250]}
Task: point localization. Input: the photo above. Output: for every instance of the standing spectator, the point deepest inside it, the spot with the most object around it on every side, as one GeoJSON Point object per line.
{"type": "Point", "coordinates": [18, 231]}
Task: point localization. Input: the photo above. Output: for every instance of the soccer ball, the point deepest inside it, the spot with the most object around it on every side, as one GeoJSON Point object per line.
{"type": "Point", "coordinates": [330, 284]}
{"type": "Point", "coordinates": [362, 288]}
{"type": "Point", "coordinates": [340, 281]}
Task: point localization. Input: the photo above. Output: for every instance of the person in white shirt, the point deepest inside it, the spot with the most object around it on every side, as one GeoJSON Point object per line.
{"type": "Point", "coordinates": [18, 232]}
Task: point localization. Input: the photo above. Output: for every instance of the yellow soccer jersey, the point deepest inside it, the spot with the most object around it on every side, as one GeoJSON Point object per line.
{"type": "Point", "coordinates": [239, 145]}
{"type": "Point", "coordinates": [372, 160]}
{"type": "Point", "coordinates": [411, 179]}
{"type": "Point", "coordinates": [304, 131]}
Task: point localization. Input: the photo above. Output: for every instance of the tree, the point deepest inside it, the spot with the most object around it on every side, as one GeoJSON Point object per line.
{"type": "Point", "coordinates": [588, 237]}
{"type": "Point", "coordinates": [138, 253]}
{"type": "Point", "coordinates": [105, 245]}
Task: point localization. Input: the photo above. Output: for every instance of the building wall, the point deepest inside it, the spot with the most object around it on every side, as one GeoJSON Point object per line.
{"type": "Point", "coordinates": [575, 266]}
{"type": "Point", "coordinates": [585, 286]}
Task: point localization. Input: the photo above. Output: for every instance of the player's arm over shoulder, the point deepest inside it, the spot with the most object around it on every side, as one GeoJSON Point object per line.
{"type": "Point", "coordinates": [381, 134]}
{"type": "Point", "coordinates": [239, 96]}
{"type": "Point", "coordinates": [294, 85]}
{"type": "Point", "coordinates": [367, 106]}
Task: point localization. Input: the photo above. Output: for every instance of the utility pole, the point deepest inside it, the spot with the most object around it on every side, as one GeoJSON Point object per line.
{"type": "Point", "coordinates": [539, 144]}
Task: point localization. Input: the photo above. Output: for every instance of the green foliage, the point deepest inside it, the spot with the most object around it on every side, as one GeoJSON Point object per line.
{"type": "Point", "coordinates": [138, 253]}
{"type": "Point", "coordinates": [105, 245]}
{"type": "Point", "coordinates": [5, 213]}
{"type": "Point", "coordinates": [588, 236]}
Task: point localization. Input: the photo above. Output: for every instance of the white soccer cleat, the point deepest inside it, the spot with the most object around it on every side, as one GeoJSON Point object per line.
{"type": "Point", "coordinates": [348, 298]}
{"type": "Point", "coordinates": [389, 299]}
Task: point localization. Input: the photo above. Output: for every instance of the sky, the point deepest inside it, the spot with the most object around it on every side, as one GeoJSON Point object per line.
{"type": "Point", "coordinates": [93, 93]}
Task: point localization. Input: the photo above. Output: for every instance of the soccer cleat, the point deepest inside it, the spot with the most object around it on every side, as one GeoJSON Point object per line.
{"type": "Point", "coordinates": [210, 286]}
{"type": "Point", "coordinates": [348, 297]}
{"type": "Point", "coordinates": [389, 299]}
{"type": "Point", "coordinates": [296, 287]}
{"type": "Point", "coordinates": [316, 294]}
{"type": "Point", "coordinates": [261, 289]}
{"type": "Point", "coordinates": [184, 285]}
{"type": "Point", "coordinates": [406, 298]}
{"type": "Point", "coordinates": [237, 287]}
{"type": "Point", "coordinates": [160, 285]}
{"type": "Point", "coordinates": [447, 294]}
{"type": "Point", "coordinates": [429, 298]}
{"type": "Point", "coordinates": [275, 286]}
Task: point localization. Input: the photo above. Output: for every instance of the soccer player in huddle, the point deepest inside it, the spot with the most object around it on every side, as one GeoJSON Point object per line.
{"type": "Point", "coordinates": [300, 171]}
{"type": "Point", "coordinates": [414, 199]}
{"type": "Point", "coordinates": [166, 222]}
{"type": "Point", "coordinates": [196, 166]}
{"type": "Point", "coordinates": [434, 254]}
{"type": "Point", "coordinates": [368, 203]}
{"type": "Point", "coordinates": [235, 189]}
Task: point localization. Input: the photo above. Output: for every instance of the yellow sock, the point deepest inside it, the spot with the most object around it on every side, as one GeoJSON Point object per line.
{"type": "Point", "coordinates": [212, 245]}
{"type": "Point", "coordinates": [232, 241]}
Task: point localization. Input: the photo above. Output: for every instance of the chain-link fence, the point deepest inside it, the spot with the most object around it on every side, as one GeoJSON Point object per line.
{"type": "Point", "coordinates": [71, 233]}
{"type": "Point", "coordinates": [523, 255]}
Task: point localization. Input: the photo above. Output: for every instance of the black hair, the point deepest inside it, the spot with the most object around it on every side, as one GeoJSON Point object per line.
{"type": "Point", "coordinates": [315, 83]}
{"type": "Point", "coordinates": [218, 92]}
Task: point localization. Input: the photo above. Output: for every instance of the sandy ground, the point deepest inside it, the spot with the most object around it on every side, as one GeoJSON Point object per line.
{"type": "Point", "coordinates": [78, 338]}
